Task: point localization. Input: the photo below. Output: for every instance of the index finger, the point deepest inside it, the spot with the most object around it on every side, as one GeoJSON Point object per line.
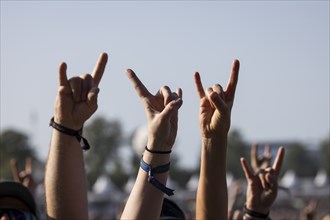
{"type": "Point", "coordinates": [278, 160]}
{"type": "Point", "coordinates": [140, 89]}
{"type": "Point", "coordinates": [246, 169]}
{"type": "Point", "coordinates": [99, 68]}
{"type": "Point", "coordinates": [232, 83]}
{"type": "Point", "coordinates": [14, 169]}
{"type": "Point", "coordinates": [199, 86]}
{"type": "Point", "coordinates": [62, 77]}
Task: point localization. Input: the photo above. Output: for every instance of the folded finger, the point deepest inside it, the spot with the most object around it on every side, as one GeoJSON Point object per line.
{"type": "Point", "coordinates": [218, 88]}
{"type": "Point", "coordinates": [216, 101]}
{"type": "Point", "coordinates": [87, 82]}
{"type": "Point", "coordinates": [179, 92]}
{"type": "Point", "coordinates": [271, 179]}
{"type": "Point", "coordinates": [172, 109]}
{"type": "Point", "coordinates": [166, 94]}
{"type": "Point", "coordinates": [262, 178]}
{"type": "Point", "coordinates": [76, 88]}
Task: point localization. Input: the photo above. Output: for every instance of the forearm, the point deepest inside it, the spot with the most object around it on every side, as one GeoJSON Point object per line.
{"type": "Point", "coordinates": [145, 200]}
{"type": "Point", "coordinates": [212, 196]}
{"type": "Point", "coordinates": [65, 179]}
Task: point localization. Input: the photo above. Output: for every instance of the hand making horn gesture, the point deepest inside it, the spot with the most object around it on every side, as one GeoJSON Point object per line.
{"type": "Point", "coordinates": [216, 105]}
{"type": "Point", "coordinates": [262, 186]}
{"type": "Point", "coordinates": [161, 111]}
{"type": "Point", "coordinates": [214, 120]}
{"type": "Point", "coordinates": [25, 177]}
{"type": "Point", "coordinates": [76, 100]}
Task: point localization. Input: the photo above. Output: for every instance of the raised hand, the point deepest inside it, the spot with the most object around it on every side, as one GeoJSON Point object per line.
{"type": "Point", "coordinates": [262, 186]}
{"type": "Point", "coordinates": [161, 111]}
{"type": "Point", "coordinates": [25, 176]}
{"type": "Point", "coordinates": [216, 105]}
{"type": "Point", "coordinates": [260, 162]}
{"type": "Point", "coordinates": [76, 99]}
{"type": "Point", "coordinates": [214, 120]}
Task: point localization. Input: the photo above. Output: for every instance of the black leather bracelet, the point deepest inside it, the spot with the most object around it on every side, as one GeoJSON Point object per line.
{"type": "Point", "coordinates": [157, 151]}
{"type": "Point", "coordinates": [78, 134]}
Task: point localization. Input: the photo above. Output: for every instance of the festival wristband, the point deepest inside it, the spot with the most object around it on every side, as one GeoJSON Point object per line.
{"type": "Point", "coordinates": [151, 179]}
{"type": "Point", "coordinates": [83, 142]}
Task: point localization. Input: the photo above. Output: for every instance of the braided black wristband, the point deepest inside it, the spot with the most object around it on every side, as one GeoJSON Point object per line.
{"type": "Point", "coordinates": [83, 142]}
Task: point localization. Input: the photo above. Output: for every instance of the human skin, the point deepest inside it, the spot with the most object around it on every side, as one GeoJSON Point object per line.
{"type": "Point", "coordinates": [263, 186]}
{"type": "Point", "coordinates": [214, 119]}
{"type": "Point", "coordinates": [145, 200]}
{"type": "Point", "coordinates": [65, 178]}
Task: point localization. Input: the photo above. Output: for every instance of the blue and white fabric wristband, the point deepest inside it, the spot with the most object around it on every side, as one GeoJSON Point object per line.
{"type": "Point", "coordinates": [151, 179]}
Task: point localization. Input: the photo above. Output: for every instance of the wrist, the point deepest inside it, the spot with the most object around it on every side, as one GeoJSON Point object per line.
{"type": "Point", "coordinates": [156, 159]}
{"type": "Point", "coordinates": [68, 123]}
{"type": "Point", "coordinates": [214, 144]}
{"type": "Point", "coordinates": [156, 145]}
{"type": "Point", "coordinates": [70, 132]}
{"type": "Point", "coordinates": [257, 209]}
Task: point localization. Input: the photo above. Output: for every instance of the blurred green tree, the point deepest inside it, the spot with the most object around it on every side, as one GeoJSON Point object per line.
{"type": "Point", "coordinates": [118, 175]}
{"type": "Point", "coordinates": [325, 155]}
{"type": "Point", "coordinates": [179, 174]}
{"type": "Point", "coordinates": [14, 144]}
{"type": "Point", "coordinates": [299, 160]}
{"type": "Point", "coordinates": [236, 148]}
{"type": "Point", "coordinates": [104, 136]}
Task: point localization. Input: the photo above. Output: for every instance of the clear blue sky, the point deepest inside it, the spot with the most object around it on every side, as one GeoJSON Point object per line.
{"type": "Point", "coordinates": [283, 46]}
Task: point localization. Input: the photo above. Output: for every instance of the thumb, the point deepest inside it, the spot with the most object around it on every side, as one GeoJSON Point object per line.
{"type": "Point", "coordinates": [271, 178]}
{"type": "Point", "coordinates": [92, 97]}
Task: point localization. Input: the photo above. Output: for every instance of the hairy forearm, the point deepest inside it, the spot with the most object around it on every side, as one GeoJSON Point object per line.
{"type": "Point", "coordinates": [212, 196]}
{"type": "Point", "coordinates": [145, 200]}
{"type": "Point", "coordinates": [65, 179]}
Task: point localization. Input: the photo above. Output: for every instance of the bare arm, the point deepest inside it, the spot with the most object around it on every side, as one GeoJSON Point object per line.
{"type": "Point", "coordinates": [214, 117]}
{"type": "Point", "coordinates": [145, 200]}
{"type": "Point", "coordinates": [65, 179]}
